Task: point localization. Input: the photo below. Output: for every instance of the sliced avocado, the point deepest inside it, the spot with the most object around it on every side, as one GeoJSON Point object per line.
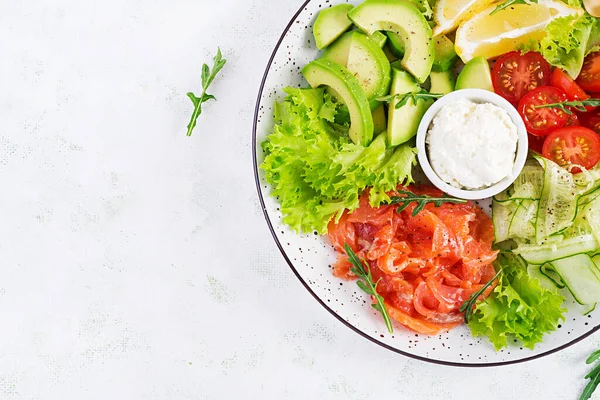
{"type": "Point", "coordinates": [403, 122]}
{"type": "Point", "coordinates": [379, 120]}
{"type": "Point", "coordinates": [324, 72]}
{"type": "Point", "coordinates": [388, 53]}
{"type": "Point", "coordinates": [475, 75]}
{"type": "Point", "coordinates": [442, 82]}
{"type": "Point", "coordinates": [445, 55]}
{"type": "Point", "coordinates": [340, 49]}
{"type": "Point", "coordinates": [405, 20]}
{"type": "Point", "coordinates": [331, 24]}
{"type": "Point", "coordinates": [379, 38]}
{"type": "Point", "coordinates": [395, 44]}
{"type": "Point", "coordinates": [367, 62]}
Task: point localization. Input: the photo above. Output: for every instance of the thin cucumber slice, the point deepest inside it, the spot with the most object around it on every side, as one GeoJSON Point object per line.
{"type": "Point", "coordinates": [581, 276]}
{"type": "Point", "coordinates": [588, 198]}
{"type": "Point", "coordinates": [523, 221]}
{"type": "Point", "coordinates": [552, 276]}
{"type": "Point", "coordinates": [557, 247]}
{"type": "Point", "coordinates": [528, 185]}
{"type": "Point", "coordinates": [558, 202]}
{"type": "Point", "coordinates": [591, 214]}
{"type": "Point", "coordinates": [590, 309]}
{"type": "Point", "coordinates": [534, 271]}
{"type": "Point", "coordinates": [502, 214]}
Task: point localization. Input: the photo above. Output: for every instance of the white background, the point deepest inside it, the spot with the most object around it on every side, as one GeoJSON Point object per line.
{"type": "Point", "coordinates": [135, 262]}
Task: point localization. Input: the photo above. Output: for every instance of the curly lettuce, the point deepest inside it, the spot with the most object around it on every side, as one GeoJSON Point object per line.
{"type": "Point", "coordinates": [568, 40]}
{"type": "Point", "coordinates": [316, 172]}
{"type": "Point", "coordinates": [518, 308]}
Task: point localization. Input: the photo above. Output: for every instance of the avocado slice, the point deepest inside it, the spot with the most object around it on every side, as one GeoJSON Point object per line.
{"type": "Point", "coordinates": [331, 24]}
{"type": "Point", "coordinates": [395, 44]}
{"type": "Point", "coordinates": [445, 55]}
{"type": "Point", "coordinates": [475, 75]}
{"type": "Point", "coordinates": [324, 72]}
{"type": "Point", "coordinates": [365, 60]}
{"type": "Point", "coordinates": [442, 82]}
{"type": "Point", "coordinates": [403, 122]}
{"type": "Point", "coordinates": [379, 38]}
{"type": "Point", "coordinates": [379, 120]}
{"type": "Point", "coordinates": [405, 20]}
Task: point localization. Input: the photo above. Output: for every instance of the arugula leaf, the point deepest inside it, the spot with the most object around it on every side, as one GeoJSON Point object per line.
{"type": "Point", "coordinates": [414, 96]}
{"type": "Point", "coordinates": [579, 105]}
{"type": "Point", "coordinates": [593, 376]}
{"type": "Point", "coordinates": [408, 198]}
{"type": "Point", "coordinates": [469, 305]}
{"type": "Point", "coordinates": [508, 3]}
{"type": "Point", "coordinates": [208, 76]}
{"type": "Point", "coordinates": [366, 284]}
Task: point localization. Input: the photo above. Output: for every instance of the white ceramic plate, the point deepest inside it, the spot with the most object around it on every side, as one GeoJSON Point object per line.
{"type": "Point", "coordinates": [310, 256]}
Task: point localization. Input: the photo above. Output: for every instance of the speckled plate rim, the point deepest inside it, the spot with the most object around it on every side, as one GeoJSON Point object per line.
{"type": "Point", "coordinates": [305, 284]}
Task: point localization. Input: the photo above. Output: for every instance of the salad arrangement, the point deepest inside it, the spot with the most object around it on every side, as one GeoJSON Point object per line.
{"type": "Point", "coordinates": [341, 157]}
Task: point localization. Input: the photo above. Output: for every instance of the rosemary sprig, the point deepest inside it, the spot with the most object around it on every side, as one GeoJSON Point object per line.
{"type": "Point", "coordinates": [414, 96]}
{"type": "Point", "coordinates": [208, 75]}
{"type": "Point", "coordinates": [408, 197]}
{"type": "Point", "coordinates": [579, 105]}
{"type": "Point", "coordinates": [367, 285]}
{"type": "Point", "coordinates": [467, 306]}
{"type": "Point", "coordinates": [508, 3]}
{"type": "Point", "coordinates": [593, 376]}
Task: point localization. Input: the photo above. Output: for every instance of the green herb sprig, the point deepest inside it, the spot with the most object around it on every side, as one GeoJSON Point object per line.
{"type": "Point", "coordinates": [208, 76]}
{"type": "Point", "coordinates": [508, 3]}
{"type": "Point", "coordinates": [468, 306]}
{"type": "Point", "coordinates": [408, 197]}
{"type": "Point", "coordinates": [414, 96]}
{"type": "Point", "coordinates": [367, 285]}
{"type": "Point", "coordinates": [579, 105]}
{"type": "Point", "coordinates": [593, 376]}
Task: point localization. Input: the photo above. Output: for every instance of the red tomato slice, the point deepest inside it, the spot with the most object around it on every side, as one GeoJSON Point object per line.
{"type": "Point", "coordinates": [573, 146]}
{"type": "Point", "coordinates": [542, 121]}
{"type": "Point", "coordinates": [591, 121]}
{"type": "Point", "coordinates": [536, 143]}
{"type": "Point", "coordinates": [572, 121]}
{"type": "Point", "coordinates": [589, 78]}
{"type": "Point", "coordinates": [564, 82]}
{"type": "Point", "coordinates": [515, 74]}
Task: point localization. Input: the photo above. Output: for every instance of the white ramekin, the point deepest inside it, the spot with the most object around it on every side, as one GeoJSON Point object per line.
{"type": "Point", "coordinates": [476, 96]}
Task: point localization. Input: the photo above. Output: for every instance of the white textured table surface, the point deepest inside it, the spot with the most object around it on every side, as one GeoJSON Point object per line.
{"type": "Point", "coordinates": [135, 262]}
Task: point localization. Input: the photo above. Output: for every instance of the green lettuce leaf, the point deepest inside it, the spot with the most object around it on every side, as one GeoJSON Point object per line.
{"type": "Point", "coordinates": [316, 172]}
{"type": "Point", "coordinates": [568, 40]}
{"type": "Point", "coordinates": [518, 308]}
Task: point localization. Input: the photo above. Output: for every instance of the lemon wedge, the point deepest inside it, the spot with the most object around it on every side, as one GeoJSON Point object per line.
{"type": "Point", "coordinates": [448, 14]}
{"type": "Point", "coordinates": [489, 36]}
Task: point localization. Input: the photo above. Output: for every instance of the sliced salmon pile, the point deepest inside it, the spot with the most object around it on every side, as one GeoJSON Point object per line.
{"type": "Point", "coordinates": [427, 265]}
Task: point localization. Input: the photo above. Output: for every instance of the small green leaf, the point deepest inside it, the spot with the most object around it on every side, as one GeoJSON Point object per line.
{"type": "Point", "coordinates": [593, 357]}
{"type": "Point", "coordinates": [467, 306]}
{"type": "Point", "coordinates": [579, 105]}
{"type": "Point", "coordinates": [208, 77]}
{"type": "Point", "coordinates": [366, 284]}
{"type": "Point", "coordinates": [194, 99]}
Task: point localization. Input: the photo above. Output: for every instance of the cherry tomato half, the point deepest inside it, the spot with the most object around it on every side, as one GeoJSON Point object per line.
{"type": "Point", "coordinates": [589, 78]}
{"type": "Point", "coordinates": [515, 74]}
{"type": "Point", "coordinates": [572, 121]}
{"type": "Point", "coordinates": [542, 121]}
{"type": "Point", "coordinates": [591, 120]}
{"type": "Point", "coordinates": [573, 146]}
{"type": "Point", "coordinates": [536, 143]}
{"type": "Point", "coordinates": [564, 82]}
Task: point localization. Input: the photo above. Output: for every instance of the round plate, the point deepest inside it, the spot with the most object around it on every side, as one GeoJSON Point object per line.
{"type": "Point", "coordinates": [310, 256]}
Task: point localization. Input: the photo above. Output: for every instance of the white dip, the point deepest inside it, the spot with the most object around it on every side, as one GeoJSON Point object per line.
{"type": "Point", "coordinates": [472, 146]}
